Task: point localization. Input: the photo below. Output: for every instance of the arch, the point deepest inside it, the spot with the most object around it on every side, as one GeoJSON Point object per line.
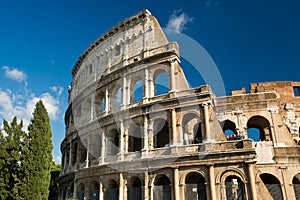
{"type": "Point", "coordinates": [82, 152]}
{"type": "Point", "coordinates": [235, 188]}
{"type": "Point", "coordinates": [94, 194]}
{"type": "Point", "coordinates": [135, 189]}
{"type": "Point", "coordinates": [161, 82]}
{"type": "Point", "coordinates": [137, 89]}
{"type": "Point", "coordinates": [258, 128]}
{"type": "Point", "coordinates": [112, 142]}
{"type": "Point", "coordinates": [81, 191]}
{"type": "Point", "coordinates": [86, 110]}
{"type": "Point", "coordinates": [95, 145]}
{"type": "Point", "coordinates": [74, 153]}
{"type": "Point", "coordinates": [162, 187]}
{"type": "Point", "coordinates": [116, 97]}
{"type": "Point", "coordinates": [191, 128]}
{"type": "Point", "coordinates": [296, 186]}
{"type": "Point", "coordinates": [99, 102]}
{"type": "Point", "coordinates": [135, 138]}
{"type": "Point", "coordinates": [273, 185]}
{"type": "Point", "coordinates": [229, 129]}
{"type": "Point", "coordinates": [161, 133]}
{"type": "Point", "coordinates": [112, 190]}
{"type": "Point", "coordinates": [195, 186]}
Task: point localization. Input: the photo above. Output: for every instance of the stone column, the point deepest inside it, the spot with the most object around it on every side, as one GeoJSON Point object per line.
{"type": "Point", "coordinates": [273, 111]}
{"type": "Point", "coordinates": [151, 87]}
{"type": "Point", "coordinates": [172, 74]}
{"type": "Point", "coordinates": [101, 195]}
{"type": "Point", "coordinates": [103, 147]}
{"type": "Point", "coordinates": [124, 93]}
{"type": "Point", "coordinates": [70, 155]}
{"type": "Point", "coordinates": [176, 184]}
{"type": "Point", "coordinates": [121, 187]}
{"type": "Point", "coordinates": [93, 113]}
{"type": "Point", "coordinates": [146, 84]}
{"type": "Point", "coordinates": [145, 134]}
{"type": "Point", "coordinates": [174, 131]}
{"type": "Point", "coordinates": [87, 153]}
{"type": "Point", "coordinates": [150, 135]}
{"type": "Point", "coordinates": [122, 138]}
{"type": "Point", "coordinates": [206, 121]}
{"type": "Point", "coordinates": [146, 187]}
{"type": "Point", "coordinates": [212, 183]}
{"type": "Point", "coordinates": [252, 181]}
{"type": "Point", "coordinates": [106, 101]}
{"type": "Point", "coordinates": [75, 191]}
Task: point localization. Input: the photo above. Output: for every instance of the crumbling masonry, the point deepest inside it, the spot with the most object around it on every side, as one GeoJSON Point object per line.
{"type": "Point", "coordinates": [128, 137]}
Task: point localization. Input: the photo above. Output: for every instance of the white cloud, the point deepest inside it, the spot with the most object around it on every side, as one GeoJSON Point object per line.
{"type": "Point", "coordinates": [57, 159]}
{"type": "Point", "coordinates": [57, 89]}
{"type": "Point", "coordinates": [178, 20]}
{"type": "Point", "coordinates": [14, 74]}
{"type": "Point", "coordinates": [21, 104]}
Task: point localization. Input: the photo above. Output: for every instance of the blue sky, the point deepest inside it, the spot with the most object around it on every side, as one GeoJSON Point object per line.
{"type": "Point", "coordinates": [249, 41]}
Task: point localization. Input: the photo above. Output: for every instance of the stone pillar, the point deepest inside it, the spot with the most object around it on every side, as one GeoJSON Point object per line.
{"type": "Point", "coordinates": [172, 74]}
{"type": "Point", "coordinates": [206, 121]}
{"type": "Point", "coordinates": [125, 139]}
{"type": "Point", "coordinates": [150, 134]}
{"type": "Point", "coordinates": [252, 182]}
{"type": "Point", "coordinates": [212, 183]}
{"type": "Point", "coordinates": [273, 131]}
{"type": "Point", "coordinates": [75, 191]}
{"type": "Point", "coordinates": [176, 184]}
{"type": "Point", "coordinates": [87, 153]}
{"type": "Point", "coordinates": [101, 195]}
{"type": "Point", "coordinates": [151, 87]}
{"type": "Point", "coordinates": [146, 84]}
{"type": "Point", "coordinates": [146, 187]}
{"type": "Point", "coordinates": [174, 131]}
{"type": "Point", "coordinates": [106, 101]}
{"type": "Point", "coordinates": [145, 135]}
{"type": "Point", "coordinates": [93, 110]}
{"type": "Point", "coordinates": [70, 155]}
{"type": "Point", "coordinates": [121, 187]}
{"type": "Point", "coordinates": [103, 147]}
{"type": "Point", "coordinates": [122, 138]}
{"type": "Point", "coordinates": [124, 92]}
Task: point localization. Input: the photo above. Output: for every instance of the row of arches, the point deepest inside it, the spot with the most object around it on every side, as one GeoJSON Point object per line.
{"type": "Point", "coordinates": [258, 129]}
{"type": "Point", "coordinates": [110, 99]}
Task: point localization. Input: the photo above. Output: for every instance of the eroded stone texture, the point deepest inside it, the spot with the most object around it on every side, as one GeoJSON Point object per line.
{"type": "Point", "coordinates": [126, 138]}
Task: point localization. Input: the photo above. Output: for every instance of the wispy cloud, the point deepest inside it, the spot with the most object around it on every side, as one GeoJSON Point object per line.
{"type": "Point", "coordinates": [178, 20]}
{"type": "Point", "coordinates": [14, 74]}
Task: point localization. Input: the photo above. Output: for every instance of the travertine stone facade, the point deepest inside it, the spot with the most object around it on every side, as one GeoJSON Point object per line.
{"type": "Point", "coordinates": [136, 130]}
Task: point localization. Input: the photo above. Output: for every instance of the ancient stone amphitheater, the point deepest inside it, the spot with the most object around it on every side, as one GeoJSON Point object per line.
{"type": "Point", "coordinates": [136, 130]}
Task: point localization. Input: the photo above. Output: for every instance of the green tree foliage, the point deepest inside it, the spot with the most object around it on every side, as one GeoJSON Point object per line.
{"type": "Point", "coordinates": [54, 185]}
{"type": "Point", "coordinates": [12, 174]}
{"type": "Point", "coordinates": [40, 156]}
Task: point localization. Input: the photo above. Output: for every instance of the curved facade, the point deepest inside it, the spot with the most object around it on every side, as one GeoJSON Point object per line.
{"type": "Point", "coordinates": [136, 130]}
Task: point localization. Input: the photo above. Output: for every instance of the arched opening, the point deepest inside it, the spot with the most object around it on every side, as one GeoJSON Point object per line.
{"type": "Point", "coordinates": [116, 98]}
{"type": "Point", "coordinates": [74, 153]}
{"type": "Point", "coordinates": [162, 188]}
{"type": "Point", "coordinates": [95, 145]}
{"type": "Point", "coordinates": [135, 189]}
{"type": "Point", "coordinates": [234, 188]}
{"type": "Point", "coordinates": [296, 185]}
{"type": "Point", "coordinates": [82, 152]}
{"type": "Point", "coordinates": [99, 102]}
{"type": "Point", "coordinates": [161, 133]}
{"type": "Point", "coordinates": [71, 191]}
{"type": "Point", "coordinates": [135, 138]}
{"type": "Point", "coordinates": [161, 82]}
{"type": "Point", "coordinates": [258, 129]}
{"type": "Point", "coordinates": [67, 156]}
{"type": "Point", "coordinates": [273, 185]}
{"type": "Point", "coordinates": [229, 129]}
{"type": "Point", "coordinates": [112, 142]}
{"type": "Point", "coordinates": [87, 108]}
{"type": "Point", "coordinates": [112, 191]}
{"type": "Point", "coordinates": [81, 191]}
{"type": "Point", "coordinates": [191, 127]}
{"type": "Point", "coordinates": [94, 194]}
{"type": "Point", "coordinates": [137, 92]}
{"type": "Point", "coordinates": [195, 186]}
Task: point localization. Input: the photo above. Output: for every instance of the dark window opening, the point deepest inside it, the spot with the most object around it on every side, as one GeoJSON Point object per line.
{"type": "Point", "coordinates": [296, 91]}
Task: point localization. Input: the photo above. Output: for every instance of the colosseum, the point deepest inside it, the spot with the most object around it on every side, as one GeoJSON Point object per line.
{"type": "Point", "coordinates": [136, 130]}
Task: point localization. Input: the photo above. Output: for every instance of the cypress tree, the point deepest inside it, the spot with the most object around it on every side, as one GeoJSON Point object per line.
{"type": "Point", "coordinates": [11, 171]}
{"type": "Point", "coordinates": [40, 154]}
